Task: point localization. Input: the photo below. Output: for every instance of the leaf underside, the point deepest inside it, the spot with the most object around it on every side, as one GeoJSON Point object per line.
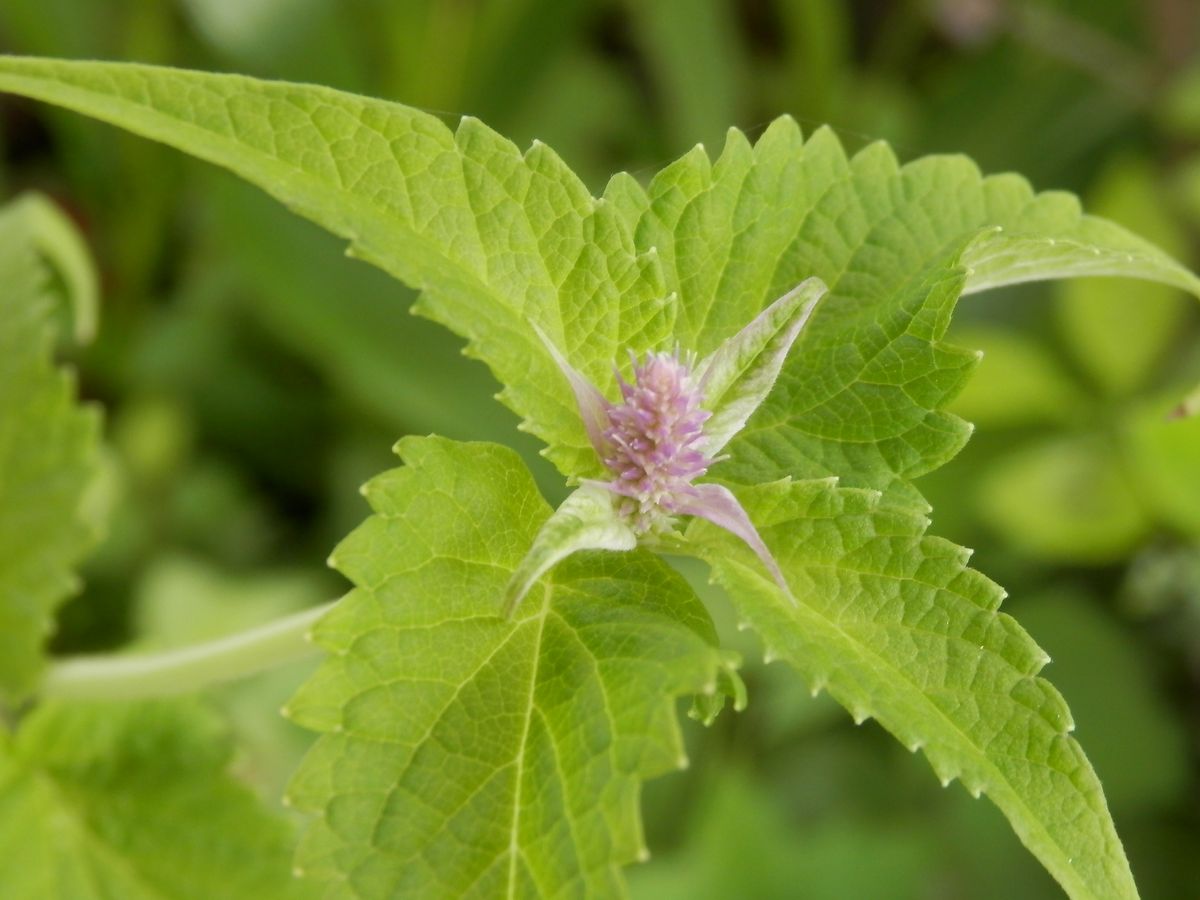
{"type": "Point", "coordinates": [498, 239]}
{"type": "Point", "coordinates": [47, 453]}
{"type": "Point", "coordinates": [466, 755]}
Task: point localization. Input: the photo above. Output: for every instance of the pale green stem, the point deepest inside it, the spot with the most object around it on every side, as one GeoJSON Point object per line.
{"type": "Point", "coordinates": [187, 669]}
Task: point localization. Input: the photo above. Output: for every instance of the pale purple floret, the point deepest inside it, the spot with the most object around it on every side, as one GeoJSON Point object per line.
{"type": "Point", "coordinates": [651, 447]}
{"type": "Point", "coordinates": [650, 442]}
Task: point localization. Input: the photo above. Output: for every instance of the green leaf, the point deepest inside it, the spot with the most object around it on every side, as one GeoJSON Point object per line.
{"type": "Point", "coordinates": [47, 441]}
{"type": "Point", "coordinates": [62, 249]}
{"type": "Point", "coordinates": [861, 396]}
{"type": "Point", "coordinates": [498, 240]}
{"type": "Point", "coordinates": [739, 375]}
{"type": "Point", "coordinates": [494, 238]}
{"type": "Point", "coordinates": [103, 801]}
{"type": "Point", "coordinates": [896, 627]}
{"type": "Point", "coordinates": [465, 755]}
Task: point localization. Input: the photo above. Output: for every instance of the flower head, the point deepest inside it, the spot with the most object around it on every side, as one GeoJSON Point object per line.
{"type": "Point", "coordinates": [653, 438]}
{"type": "Point", "coordinates": [662, 435]}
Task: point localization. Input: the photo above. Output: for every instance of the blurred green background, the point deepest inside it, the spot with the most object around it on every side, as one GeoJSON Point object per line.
{"type": "Point", "coordinates": [253, 377]}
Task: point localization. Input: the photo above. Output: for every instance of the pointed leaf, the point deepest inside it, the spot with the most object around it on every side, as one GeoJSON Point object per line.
{"type": "Point", "coordinates": [500, 240]}
{"type": "Point", "coordinates": [465, 755]}
{"type": "Point", "coordinates": [495, 238]}
{"type": "Point", "coordinates": [589, 400]}
{"type": "Point", "coordinates": [896, 627]}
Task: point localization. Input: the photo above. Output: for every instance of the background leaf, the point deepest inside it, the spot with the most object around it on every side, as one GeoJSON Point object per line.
{"type": "Point", "coordinates": [47, 441]}
{"type": "Point", "coordinates": [118, 800]}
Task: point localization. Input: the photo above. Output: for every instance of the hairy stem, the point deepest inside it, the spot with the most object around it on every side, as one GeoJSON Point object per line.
{"type": "Point", "coordinates": [186, 669]}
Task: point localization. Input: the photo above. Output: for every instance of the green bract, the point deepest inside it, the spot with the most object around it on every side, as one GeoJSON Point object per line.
{"type": "Point", "coordinates": [468, 755]}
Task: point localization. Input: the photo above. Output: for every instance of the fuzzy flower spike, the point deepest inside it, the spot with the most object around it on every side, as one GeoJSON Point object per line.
{"type": "Point", "coordinates": [667, 429]}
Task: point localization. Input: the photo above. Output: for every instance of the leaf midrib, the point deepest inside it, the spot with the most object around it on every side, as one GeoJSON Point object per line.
{"type": "Point", "coordinates": [513, 839]}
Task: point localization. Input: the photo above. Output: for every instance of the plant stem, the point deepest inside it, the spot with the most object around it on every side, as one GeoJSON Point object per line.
{"type": "Point", "coordinates": [187, 669]}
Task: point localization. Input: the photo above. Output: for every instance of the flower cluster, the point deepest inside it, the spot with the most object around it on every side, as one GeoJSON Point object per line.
{"type": "Point", "coordinates": [661, 436]}
{"type": "Point", "coordinates": [652, 440]}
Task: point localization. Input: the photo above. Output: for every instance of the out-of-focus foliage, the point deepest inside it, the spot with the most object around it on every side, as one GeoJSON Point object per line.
{"type": "Point", "coordinates": [242, 424]}
{"type": "Point", "coordinates": [132, 800]}
{"type": "Point", "coordinates": [48, 453]}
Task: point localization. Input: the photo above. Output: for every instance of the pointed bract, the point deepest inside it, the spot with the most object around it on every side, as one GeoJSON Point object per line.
{"type": "Point", "coordinates": [586, 520]}
{"type": "Point", "coordinates": [593, 408]}
{"type": "Point", "coordinates": [718, 505]}
{"type": "Point", "coordinates": [739, 374]}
